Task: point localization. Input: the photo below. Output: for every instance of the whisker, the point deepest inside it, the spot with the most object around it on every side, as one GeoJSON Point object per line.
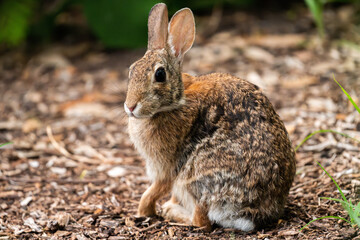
{"type": "Point", "coordinates": [118, 112]}
{"type": "Point", "coordinates": [116, 87]}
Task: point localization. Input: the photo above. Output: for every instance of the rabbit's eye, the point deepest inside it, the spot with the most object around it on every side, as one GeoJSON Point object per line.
{"type": "Point", "coordinates": [160, 75]}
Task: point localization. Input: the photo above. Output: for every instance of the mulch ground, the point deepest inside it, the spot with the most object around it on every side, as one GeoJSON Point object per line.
{"type": "Point", "coordinates": [72, 172]}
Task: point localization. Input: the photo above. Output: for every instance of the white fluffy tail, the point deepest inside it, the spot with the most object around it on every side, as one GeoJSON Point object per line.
{"type": "Point", "coordinates": [225, 217]}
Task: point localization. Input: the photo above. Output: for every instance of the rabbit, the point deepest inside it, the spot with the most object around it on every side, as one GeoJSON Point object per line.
{"type": "Point", "coordinates": [214, 141]}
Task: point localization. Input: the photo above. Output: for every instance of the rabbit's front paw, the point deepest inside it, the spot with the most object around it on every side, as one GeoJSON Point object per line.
{"type": "Point", "coordinates": [147, 211]}
{"type": "Point", "coordinates": [174, 212]}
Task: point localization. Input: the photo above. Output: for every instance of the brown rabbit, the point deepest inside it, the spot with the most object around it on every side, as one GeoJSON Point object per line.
{"type": "Point", "coordinates": [213, 141]}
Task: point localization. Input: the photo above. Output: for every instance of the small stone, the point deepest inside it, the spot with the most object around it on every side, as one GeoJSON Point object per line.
{"type": "Point", "coordinates": [58, 170]}
{"type": "Point", "coordinates": [34, 164]}
{"type": "Point", "coordinates": [117, 171]}
{"type": "Point", "coordinates": [26, 201]}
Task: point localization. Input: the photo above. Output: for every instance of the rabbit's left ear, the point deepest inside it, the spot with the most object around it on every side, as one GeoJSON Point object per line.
{"type": "Point", "coordinates": [181, 32]}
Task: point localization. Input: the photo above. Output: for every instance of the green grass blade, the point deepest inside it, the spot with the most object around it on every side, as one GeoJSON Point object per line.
{"type": "Point", "coordinates": [333, 217]}
{"type": "Point", "coordinates": [357, 215]}
{"type": "Point", "coordinates": [316, 9]}
{"type": "Point", "coordinates": [348, 206]}
{"type": "Point", "coordinates": [341, 193]}
{"type": "Point", "coordinates": [336, 200]}
{"type": "Point", "coordinates": [4, 144]}
{"type": "Point", "coordinates": [348, 95]}
{"type": "Point", "coordinates": [323, 131]}
{"type": "Point", "coordinates": [357, 209]}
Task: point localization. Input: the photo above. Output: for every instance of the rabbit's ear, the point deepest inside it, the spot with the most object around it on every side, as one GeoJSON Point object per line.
{"type": "Point", "coordinates": [181, 32]}
{"type": "Point", "coordinates": [157, 26]}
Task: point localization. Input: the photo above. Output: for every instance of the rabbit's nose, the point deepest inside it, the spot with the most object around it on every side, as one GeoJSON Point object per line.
{"type": "Point", "coordinates": [131, 108]}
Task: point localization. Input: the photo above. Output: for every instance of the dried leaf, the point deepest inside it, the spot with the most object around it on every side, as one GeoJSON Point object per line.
{"type": "Point", "coordinates": [288, 233]}
{"type": "Point", "coordinates": [62, 218]}
{"type": "Point", "coordinates": [129, 222]}
{"type": "Point", "coordinates": [258, 54]}
{"type": "Point", "coordinates": [277, 41]}
{"type": "Point", "coordinates": [31, 125]}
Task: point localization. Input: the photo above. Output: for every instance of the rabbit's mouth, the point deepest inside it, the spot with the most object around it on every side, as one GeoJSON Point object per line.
{"type": "Point", "coordinates": [140, 116]}
{"type": "Point", "coordinates": [135, 111]}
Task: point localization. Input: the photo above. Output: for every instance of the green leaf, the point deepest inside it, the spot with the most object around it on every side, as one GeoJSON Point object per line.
{"type": "Point", "coordinates": [348, 96]}
{"type": "Point", "coordinates": [334, 217]}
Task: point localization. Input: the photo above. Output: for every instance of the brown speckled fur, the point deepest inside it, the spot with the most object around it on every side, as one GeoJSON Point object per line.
{"type": "Point", "coordinates": [224, 145]}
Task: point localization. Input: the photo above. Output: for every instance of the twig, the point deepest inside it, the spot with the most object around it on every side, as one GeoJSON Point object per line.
{"type": "Point", "coordinates": [179, 224]}
{"type": "Point", "coordinates": [200, 229]}
{"type": "Point", "coordinates": [149, 227]}
{"type": "Point", "coordinates": [63, 151]}
{"type": "Point", "coordinates": [303, 184]}
{"type": "Point", "coordinates": [328, 144]}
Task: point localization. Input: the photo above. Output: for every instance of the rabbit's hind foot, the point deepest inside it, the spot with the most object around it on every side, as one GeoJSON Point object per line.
{"type": "Point", "coordinates": [175, 212]}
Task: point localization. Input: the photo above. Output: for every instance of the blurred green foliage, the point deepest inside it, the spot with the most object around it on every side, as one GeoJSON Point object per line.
{"type": "Point", "coordinates": [116, 23]}
{"type": "Point", "coordinates": [316, 8]}
{"type": "Point", "coordinates": [14, 20]}
{"type": "Point", "coordinates": [123, 23]}
{"type": "Point", "coordinates": [206, 5]}
{"type": "Point", "coordinates": [119, 23]}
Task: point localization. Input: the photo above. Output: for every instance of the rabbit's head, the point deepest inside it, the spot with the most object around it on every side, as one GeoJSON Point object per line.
{"type": "Point", "coordinates": [155, 83]}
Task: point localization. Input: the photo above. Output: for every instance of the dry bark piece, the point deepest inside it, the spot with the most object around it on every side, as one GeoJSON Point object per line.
{"type": "Point", "coordinates": [109, 223]}
{"type": "Point", "coordinates": [129, 222]}
{"type": "Point", "coordinates": [61, 233]}
{"type": "Point", "coordinates": [258, 54]}
{"type": "Point", "coordinates": [10, 125]}
{"type": "Point", "coordinates": [288, 233]}
{"type": "Point", "coordinates": [63, 219]}
{"type": "Point", "coordinates": [30, 222]}
{"type": "Point", "coordinates": [10, 194]}
{"type": "Point", "coordinates": [277, 41]}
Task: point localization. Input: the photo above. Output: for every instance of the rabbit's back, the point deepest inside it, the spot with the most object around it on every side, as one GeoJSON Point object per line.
{"type": "Point", "coordinates": [238, 154]}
